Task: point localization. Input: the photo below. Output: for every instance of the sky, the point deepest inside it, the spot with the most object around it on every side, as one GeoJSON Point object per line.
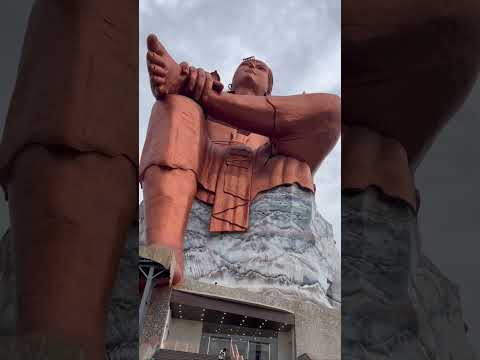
{"type": "Point", "coordinates": [299, 40]}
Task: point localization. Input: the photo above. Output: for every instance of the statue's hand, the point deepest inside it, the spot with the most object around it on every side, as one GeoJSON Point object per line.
{"type": "Point", "coordinates": [202, 85]}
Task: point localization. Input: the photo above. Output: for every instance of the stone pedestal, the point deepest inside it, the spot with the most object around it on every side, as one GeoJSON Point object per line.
{"type": "Point", "coordinates": [289, 249]}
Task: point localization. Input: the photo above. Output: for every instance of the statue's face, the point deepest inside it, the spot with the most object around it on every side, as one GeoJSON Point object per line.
{"type": "Point", "coordinates": [252, 74]}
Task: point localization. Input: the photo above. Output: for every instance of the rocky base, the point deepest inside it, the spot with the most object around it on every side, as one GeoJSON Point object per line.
{"type": "Point", "coordinates": [288, 247]}
{"type": "Point", "coordinates": [395, 303]}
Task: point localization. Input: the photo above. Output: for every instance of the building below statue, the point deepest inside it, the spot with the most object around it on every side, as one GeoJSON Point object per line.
{"type": "Point", "coordinates": [198, 318]}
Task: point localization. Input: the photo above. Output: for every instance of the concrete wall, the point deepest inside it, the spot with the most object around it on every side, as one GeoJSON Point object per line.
{"type": "Point", "coordinates": [285, 345]}
{"type": "Point", "coordinates": [316, 334]}
{"type": "Point", "coordinates": [184, 335]}
{"type": "Point", "coordinates": [156, 316]}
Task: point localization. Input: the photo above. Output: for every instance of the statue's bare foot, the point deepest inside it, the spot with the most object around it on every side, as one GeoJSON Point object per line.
{"type": "Point", "coordinates": [166, 76]}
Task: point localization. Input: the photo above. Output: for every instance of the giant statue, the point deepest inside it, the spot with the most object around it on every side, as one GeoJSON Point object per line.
{"type": "Point", "coordinates": [407, 66]}
{"type": "Point", "coordinates": [223, 151]}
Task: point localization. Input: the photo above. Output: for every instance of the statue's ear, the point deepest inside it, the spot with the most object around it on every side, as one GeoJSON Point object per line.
{"type": "Point", "coordinates": [215, 75]}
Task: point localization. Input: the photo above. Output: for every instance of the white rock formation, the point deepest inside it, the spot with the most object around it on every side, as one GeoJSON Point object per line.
{"type": "Point", "coordinates": [289, 248]}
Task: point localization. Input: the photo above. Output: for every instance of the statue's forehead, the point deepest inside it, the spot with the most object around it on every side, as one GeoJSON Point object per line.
{"type": "Point", "coordinates": [253, 59]}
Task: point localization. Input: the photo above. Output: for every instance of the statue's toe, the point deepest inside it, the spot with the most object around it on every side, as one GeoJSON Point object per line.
{"type": "Point", "coordinates": [156, 70]}
{"type": "Point", "coordinates": [153, 44]}
{"type": "Point", "coordinates": [154, 58]}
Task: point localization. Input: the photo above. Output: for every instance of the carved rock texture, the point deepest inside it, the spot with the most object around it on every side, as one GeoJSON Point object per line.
{"type": "Point", "coordinates": [289, 248]}
{"type": "Point", "coordinates": [395, 303]}
{"type": "Point", "coordinates": [122, 327]}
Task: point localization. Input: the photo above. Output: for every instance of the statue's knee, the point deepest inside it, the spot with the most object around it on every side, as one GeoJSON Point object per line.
{"type": "Point", "coordinates": [165, 181]}
{"type": "Point", "coordinates": [182, 111]}
{"type": "Point", "coordinates": [177, 135]}
{"type": "Point", "coordinates": [70, 183]}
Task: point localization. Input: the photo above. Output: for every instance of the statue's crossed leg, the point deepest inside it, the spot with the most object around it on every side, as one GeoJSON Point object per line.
{"type": "Point", "coordinates": [172, 157]}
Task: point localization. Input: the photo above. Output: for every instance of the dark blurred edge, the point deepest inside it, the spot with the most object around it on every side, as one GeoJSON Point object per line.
{"type": "Point", "coordinates": [443, 313]}
{"type": "Point", "coordinates": [13, 19]}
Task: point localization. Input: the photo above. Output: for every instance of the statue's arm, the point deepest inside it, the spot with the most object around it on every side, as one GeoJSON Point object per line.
{"type": "Point", "coordinates": [305, 127]}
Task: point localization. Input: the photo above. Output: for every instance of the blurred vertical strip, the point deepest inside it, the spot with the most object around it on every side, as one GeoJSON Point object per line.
{"type": "Point", "coordinates": [69, 169]}
{"type": "Point", "coordinates": [408, 66]}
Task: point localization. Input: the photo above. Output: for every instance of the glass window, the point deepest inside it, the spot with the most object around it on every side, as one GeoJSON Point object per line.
{"type": "Point", "coordinates": [259, 351]}
{"type": "Point", "coordinates": [217, 344]}
{"type": "Point", "coordinates": [242, 346]}
{"type": "Point", "coordinates": [204, 344]}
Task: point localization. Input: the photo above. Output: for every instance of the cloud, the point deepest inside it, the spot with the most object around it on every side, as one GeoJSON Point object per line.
{"type": "Point", "coordinates": [300, 40]}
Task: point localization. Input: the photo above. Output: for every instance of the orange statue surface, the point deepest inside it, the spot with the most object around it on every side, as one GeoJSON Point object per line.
{"type": "Point", "coordinates": [225, 147]}
{"type": "Point", "coordinates": [407, 67]}
{"type": "Point", "coordinates": [68, 165]}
